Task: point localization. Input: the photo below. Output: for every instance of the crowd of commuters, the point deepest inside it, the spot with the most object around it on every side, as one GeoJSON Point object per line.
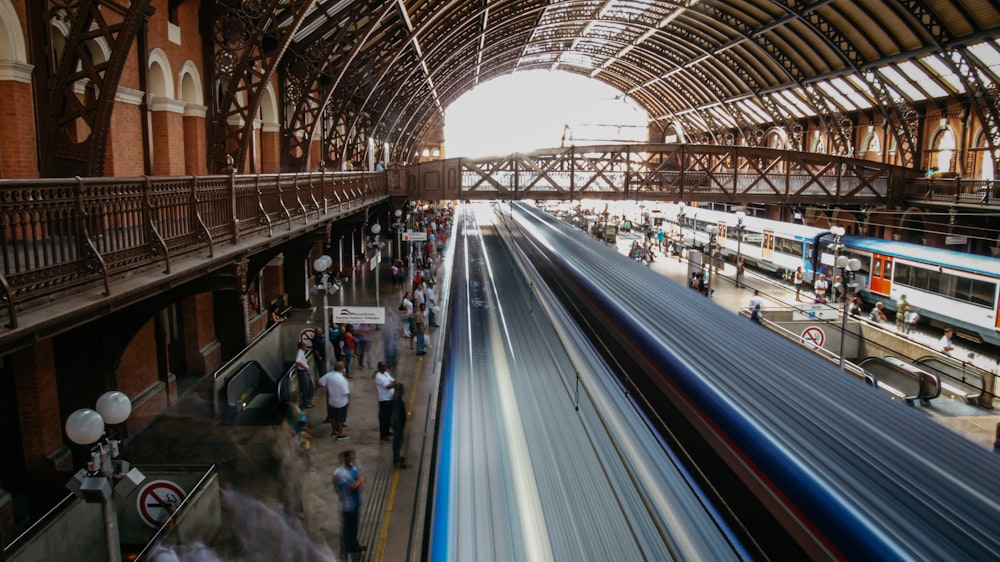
{"type": "Point", "coordinates": [349, 346]}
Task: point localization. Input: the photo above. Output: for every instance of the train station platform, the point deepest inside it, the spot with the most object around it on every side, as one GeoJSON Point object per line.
{"type": "Point", "coordinates": [276, 507]}
{"type": "Point", "coordinates": [975, 423]}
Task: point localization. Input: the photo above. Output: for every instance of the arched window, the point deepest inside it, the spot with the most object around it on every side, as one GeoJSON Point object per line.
{"type": "Point", "coordinates": [943, 149]}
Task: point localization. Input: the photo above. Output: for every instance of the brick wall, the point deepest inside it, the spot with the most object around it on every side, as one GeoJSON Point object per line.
{"type": "Point", "coordinates": [124, 156]}
{"type": "Point", "coordinates": [200, 352]}
{"type": "Point", "coordinates": [38, 404]}
{"type": "Point", "coordinates": [18, 149]}
{"type": "Point", "coordinates": [168, 143]}
{"type": "Point", "coordinates": [194, 146]}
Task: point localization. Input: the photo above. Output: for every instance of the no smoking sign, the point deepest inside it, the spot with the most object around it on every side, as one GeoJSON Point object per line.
{"type": "Point", "coordinates": [157, 500]}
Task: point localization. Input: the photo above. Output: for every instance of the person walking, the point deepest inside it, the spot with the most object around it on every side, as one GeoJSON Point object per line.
{"type": "Point", "coordinates": [349, 345]}
{"type": "Point", "coordinates": [420, 327]}
{"type": "Point", "coordinates": [797, 279]}
{"type": "Point", "coordinates": [432, 302]}
{"type": "Point", "coordinates": [398, 424]}
{"type": "Point", "coordinates": [338, 396]}
{"type": "Point", "coordinates": [902, 307]}
{"type": "Point", "coordinates": [361, 338]}
{"type": "Point", "coordinates": [348, 480]}
{"type": "Point", "coordinates": [739, 272]}
{"type": "Point", "coordinates": [384, 384]}
{"type": "Point", "coordinates": [304, 375]}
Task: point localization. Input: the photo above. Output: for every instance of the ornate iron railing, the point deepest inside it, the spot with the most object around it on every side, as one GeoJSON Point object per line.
{"type": "Point", "coordinates": [59, 235]}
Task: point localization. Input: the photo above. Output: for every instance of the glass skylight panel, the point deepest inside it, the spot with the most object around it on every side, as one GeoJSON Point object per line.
{"type": "Point", "coordinates": [754, 111]}
{"type": "Point", "coordinates": [834, 94]}
{"type": "Point", "coordinates": [722, 116]}
{"type": "Point", "coordinates": [988, 54]}
{"type": "Point", "coordinates": [577, 59]}
{"type": "Point", "coordinates": [901, 84]}
{"type": "Point", "coordinates": [922, 78]}
{"type": "Point", "coordinates": [944, 72]}
{"type": "Point", "coordinates": [800, 99]}
{"type": "Point", "coordinates": [850, 90]}
{"type": "Point", "coordinates": [791, 103]}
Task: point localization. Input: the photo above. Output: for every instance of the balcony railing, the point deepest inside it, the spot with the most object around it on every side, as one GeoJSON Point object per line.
{"type": "Point", "coordinates": [59, 235]}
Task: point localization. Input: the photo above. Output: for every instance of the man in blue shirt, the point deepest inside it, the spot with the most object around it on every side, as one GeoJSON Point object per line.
{"type": "Point", "coordinates": [347, 480]}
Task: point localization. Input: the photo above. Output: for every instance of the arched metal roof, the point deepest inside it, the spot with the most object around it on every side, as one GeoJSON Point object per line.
{"type": "Point", "coordinates": [721, 70]}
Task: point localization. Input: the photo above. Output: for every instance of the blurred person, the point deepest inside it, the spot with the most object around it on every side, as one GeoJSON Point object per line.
{"type": "Point", "coordinates": [348, 480]}
{"type": "Point", "coordinates": [338, 396]}
{"type": "Point", "coordinates": [384, 384]}
{"type": "Point", "coordinates": [398, 424]}
{"type": "Point", "coordinates": [877, 313]}
{"type": "Point", "coordinates": [797, 279]}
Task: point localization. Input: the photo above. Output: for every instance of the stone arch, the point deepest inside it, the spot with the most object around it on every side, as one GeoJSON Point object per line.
{"type": "Point", "coordinates": [12, 46]}
{"type": "Point", "coordinates": [270, 129]}
{"type": "Point", "coordinates": [673, 133]}
{"type": "Point", "coordinates": [269, 107]}
{"type": "Point", "coordinates": [190, 90]}
{"type": "Point", "coordinates": [943, 150]}
{"type": "Point", "coordinates": [870, 143]}
{"type": "Point", "coordinates": [161, 80]}
{"type": "Point", "coordinates": [912, 226]}
{"type": "Point", "coordinates": [776, 137]}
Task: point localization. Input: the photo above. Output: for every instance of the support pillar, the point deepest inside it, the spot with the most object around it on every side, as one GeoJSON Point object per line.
{"type": "Point", "coordinates": [202, 350]}
{"type": "Point", "coordinates": [38, 408]}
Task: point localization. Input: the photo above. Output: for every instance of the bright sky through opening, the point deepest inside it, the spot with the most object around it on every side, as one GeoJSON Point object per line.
{"type": "Point", "coordinates": [525, 111]}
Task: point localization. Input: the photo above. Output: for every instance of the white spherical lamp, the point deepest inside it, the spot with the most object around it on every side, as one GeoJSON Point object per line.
{"type": "Point", "coordinates": [114, 407]}
{"type": "Point", "coordinates": [84, 426]}
{"type": "Point", "coordinates": [376, 228]}
{"type": "Point", "coordinates": [322, 263]}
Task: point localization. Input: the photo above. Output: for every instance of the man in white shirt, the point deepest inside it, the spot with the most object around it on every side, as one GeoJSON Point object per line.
{"type": "Point", "coordinates": [756, 301]}
{"type": "Point", "coordinates": [383, 389]}
{"type": "Point", "coordinates": [304, 376]}
{"type": "Point", "coordinates": [946, 345]}
{"type": "Point", "coordinates": [338, 394]}
{"type": "Point", "coordinates": [431, 297]}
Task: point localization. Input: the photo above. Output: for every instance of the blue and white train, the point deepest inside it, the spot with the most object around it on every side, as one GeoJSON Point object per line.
{"type": "Point", "coordinates": [948, 288]}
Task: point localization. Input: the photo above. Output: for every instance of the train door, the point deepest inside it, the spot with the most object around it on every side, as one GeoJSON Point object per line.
{"type": "Point", "coordinates": [767, 246]}
{"type": "Point", "coordinates": [881, 274]}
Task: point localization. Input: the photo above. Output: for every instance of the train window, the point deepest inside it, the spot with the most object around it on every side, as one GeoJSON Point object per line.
{"type": "Point", "coordinates": [877, 268]}
{"type": "Point", "coordinates": [975, 291]}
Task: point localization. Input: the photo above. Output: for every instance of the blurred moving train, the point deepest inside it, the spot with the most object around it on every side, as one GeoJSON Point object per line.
{"type": "Point", "coordinates": [948, 288]}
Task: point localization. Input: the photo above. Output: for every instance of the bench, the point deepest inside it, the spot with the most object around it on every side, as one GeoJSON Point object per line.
{"type": "Point", "coordinates": [958, 380]}
{"type": "Point", "coordinates": [891, 379]}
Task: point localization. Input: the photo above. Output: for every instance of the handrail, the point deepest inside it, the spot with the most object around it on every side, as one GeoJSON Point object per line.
{"type": "Point", "coordinates": [66, 234]}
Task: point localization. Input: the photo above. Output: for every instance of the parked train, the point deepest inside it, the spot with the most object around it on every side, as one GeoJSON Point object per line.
{"type": "Point", "coordinates": [948, 288]}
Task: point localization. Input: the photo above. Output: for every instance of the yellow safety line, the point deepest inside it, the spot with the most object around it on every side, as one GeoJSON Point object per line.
{"type": "Point", "coordinates": [383, 533]}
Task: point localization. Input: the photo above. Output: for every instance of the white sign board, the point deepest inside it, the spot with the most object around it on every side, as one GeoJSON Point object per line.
{"type": "Point", "coordinates": [358, 314]}
{"type": "Point", "coordinates": [951, 240]}
{"type": "Point", "coordinates": [375, 260]}
{"type": "Point", "coordinates": [414, 236]}
{"type": "Point", "coordinates": [814, 312]}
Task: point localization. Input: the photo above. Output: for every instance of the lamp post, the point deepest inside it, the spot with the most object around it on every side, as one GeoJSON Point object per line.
{"type": "Point", "coordinates": [398, 225]}
{"type": "Point", "coordinates": [848, 266]}
{"type": "Point", "coordinates": [680, 226]}
{"type": "Point", "coordinates": [376, 246]}
{"type": "Point", "coordinates": [322, 265]}
{"type": "Point", "coordinates": [712, 232]}
{"type": "Point", "coordinates": [740, 215]}
{"type": "Point", "coordinates": [838, 232]}
{"type": "Point", "coordinates": [104, 476]}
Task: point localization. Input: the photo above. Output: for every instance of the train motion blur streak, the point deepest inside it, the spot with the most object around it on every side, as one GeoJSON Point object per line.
{"type": "Point", "coordinates": [521, 473]}
{"type": "Point", "coordinates": [842, 470]}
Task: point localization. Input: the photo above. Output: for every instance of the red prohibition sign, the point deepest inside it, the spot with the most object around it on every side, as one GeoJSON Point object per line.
{"type": "Point", "coordinates": [813, 336]}
{"type": "Point", "coordinates": [157, 500]}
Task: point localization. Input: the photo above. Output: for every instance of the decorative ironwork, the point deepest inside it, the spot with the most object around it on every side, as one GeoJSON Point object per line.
{"type": "Point", "coordinates": [77, 126]}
